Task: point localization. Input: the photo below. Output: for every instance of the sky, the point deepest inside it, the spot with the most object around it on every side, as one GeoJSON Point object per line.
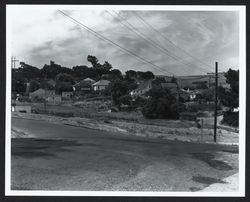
{"type": "Point", "coordinates": [164, 42]}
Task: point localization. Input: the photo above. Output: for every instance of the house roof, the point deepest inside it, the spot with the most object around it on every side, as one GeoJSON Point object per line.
{"type": "Point", "coordinates": [102, 83]}
{"type": "Point", "coordinates": [83, 83]}
{"type": "Point", "coordinates": [41, 91]}
{"type": "Point", "coordinates": [89, 79]}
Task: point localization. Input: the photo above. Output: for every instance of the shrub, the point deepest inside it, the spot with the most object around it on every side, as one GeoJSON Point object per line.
{"type": "Point", "coordinates": [231, 118]}
{"type": "Point", "coordinates": [160, 104]}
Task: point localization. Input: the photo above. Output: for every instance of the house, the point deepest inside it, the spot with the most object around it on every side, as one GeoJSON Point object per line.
{"type": "Point", "coordinates": [142, 88]}
{"type": "Point", "coordinates": [84, 86]}
{"type": "Point", "coordinates": [41, 94]}
{"type": "Point", "coordinates": [54, 99]}
{"type": "Point", "coordinates": [188, 95]}
{"type": "Point", "coordinates": [100, 85]}
{"type": "Point", "coordinates": [67, 94]}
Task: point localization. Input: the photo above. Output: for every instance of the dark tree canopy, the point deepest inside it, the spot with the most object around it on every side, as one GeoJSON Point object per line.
{"type": "Point", "coordinates": [161, 104]}
{"type": "Point", "coordinates": [50, 71]}
{"type": "Point", "coordinates": [130, 75]}
{"type": "Point", "coordinates": [120, 88]}
{"type": "Point", "coordinates": [29, 72]}
{"type": "Point", "coordinates": [63, 77]}
{"type": "Point", "coordinates": [94, 61]}
{"type": "Point", "coordinates": [230, 98]}
{"type": "Point", "coordinates": [34, 85]}
{"type": "Point", "coordinates": [63, 86]}
{"type": "Point", "coordinates": [107, 66]}
{"type": "Point", "coordinates": [117, 73]}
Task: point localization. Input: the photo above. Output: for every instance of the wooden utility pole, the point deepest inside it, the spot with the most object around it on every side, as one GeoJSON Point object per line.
{"type": "Point", "coordinates": [13, 62]}
{"type": "Point", "coordinates": [216, 100]}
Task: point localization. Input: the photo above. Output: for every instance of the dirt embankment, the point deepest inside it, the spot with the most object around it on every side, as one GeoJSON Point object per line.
{"type": "Point", "coordinates": [167, 129]}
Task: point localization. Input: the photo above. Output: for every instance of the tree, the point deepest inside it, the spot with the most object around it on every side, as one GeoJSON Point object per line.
{"type": "Point", "coordinates": [107, 66]}
{"type": "Point", "coordinates": [148, 75]}
{"type": "Point", "coordinates": [173, 80]}
{"type": "Point", "coordinates": [50, 71]}
{"type": "Point", "coordinates": [34, 85]}
{"type": "Point", "coordinates": [94, 61]}
{"type": "Point", "coordinates": [116, 73]}
{"type": "Point", "coordinates": [46, 85]}
{"type": "Point", "coordinates": [230, 98]}
{"type": "Point", "coordinates": [120, 88]}
{"type": "Point", "coordinates": [29, 72]}
{"type": "Point", "coordinates": [208, 94]}
{"type": "Point", "coordinates": [160, 104]}
{"type": "Point", "coordinates": [83, 71]}
{"type": "Point", "coordinates": [158, 81]}
{"type": "Point", "coordinates": [145, 75]}
{"type": "Point", "coordinates": [63, 86]}
{"type": "Point", "coordinates": [130, 74]}
{"type": "Point", "coordinates": [63, 77]}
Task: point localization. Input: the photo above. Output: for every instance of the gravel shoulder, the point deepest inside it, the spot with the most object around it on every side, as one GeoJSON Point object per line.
{"type": "Point", "coordinates": [173, 130]}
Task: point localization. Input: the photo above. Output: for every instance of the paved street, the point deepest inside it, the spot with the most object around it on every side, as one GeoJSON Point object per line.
{"type": "Point", "coordinates": [62, 157]}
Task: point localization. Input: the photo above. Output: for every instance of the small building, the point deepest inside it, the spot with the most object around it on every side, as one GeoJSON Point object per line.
{"type": "Point", "coordinates": [101, 85]}
{"type": "Point", "coordinates": [142, 88]}
{"type": "Point", "coordinates": [54, 99]}
{"type": "Point", "coordinates": [41, 94]}
{"type": "Point", "coordinates": [67, 94]}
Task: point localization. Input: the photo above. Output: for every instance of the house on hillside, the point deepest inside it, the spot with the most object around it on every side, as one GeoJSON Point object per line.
{"type": "Point", "coordinates": [44, 94]}
{"type": "Point", "coordinates": [84, 86]}
{"type": "Point", "coordinates": [100, 85]}
{"type": "Point", "coordinates": [142, 89]}
{"type": "Point", "coordinates": [41, 94]}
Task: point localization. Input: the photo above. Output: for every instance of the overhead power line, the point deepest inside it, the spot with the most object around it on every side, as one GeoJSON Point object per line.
{"type": "Point", "coordinates": [100, 36]}
{"type": "Point", "coordinates": [153, 43]}
{"type": "Point", "coordinates": [167, 39]}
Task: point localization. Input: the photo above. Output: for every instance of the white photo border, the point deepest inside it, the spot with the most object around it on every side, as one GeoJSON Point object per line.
{"type": "Point", "coordinates": [242, 101]}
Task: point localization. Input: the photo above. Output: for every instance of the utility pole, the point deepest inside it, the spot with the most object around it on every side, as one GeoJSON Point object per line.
{"type": "Point", "coordinates": [13, 62]}
{"type": "Point", "coordinates": [216, 100]}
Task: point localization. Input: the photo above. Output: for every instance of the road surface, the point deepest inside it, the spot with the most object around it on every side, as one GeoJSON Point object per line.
{"type": "Point", "coordinates": [62, 157]}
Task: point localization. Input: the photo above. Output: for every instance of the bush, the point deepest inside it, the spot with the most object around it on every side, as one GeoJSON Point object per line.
{"type": "Point", "coordinates": [176, 109]}
{"type": "Point", "coordinates": [231, 118]}
{"type": "Point", "coordinates": [196, 107]}
{"type": "Point", "coordinates": [161, 104]}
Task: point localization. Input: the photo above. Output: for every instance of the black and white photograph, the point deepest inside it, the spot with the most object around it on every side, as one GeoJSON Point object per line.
{"type": "Point", "coordinates": [125, 100]}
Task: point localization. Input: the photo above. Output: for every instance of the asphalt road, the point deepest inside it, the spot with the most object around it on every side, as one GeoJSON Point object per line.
{"type": "Point", "coordinates": [62, 157]}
